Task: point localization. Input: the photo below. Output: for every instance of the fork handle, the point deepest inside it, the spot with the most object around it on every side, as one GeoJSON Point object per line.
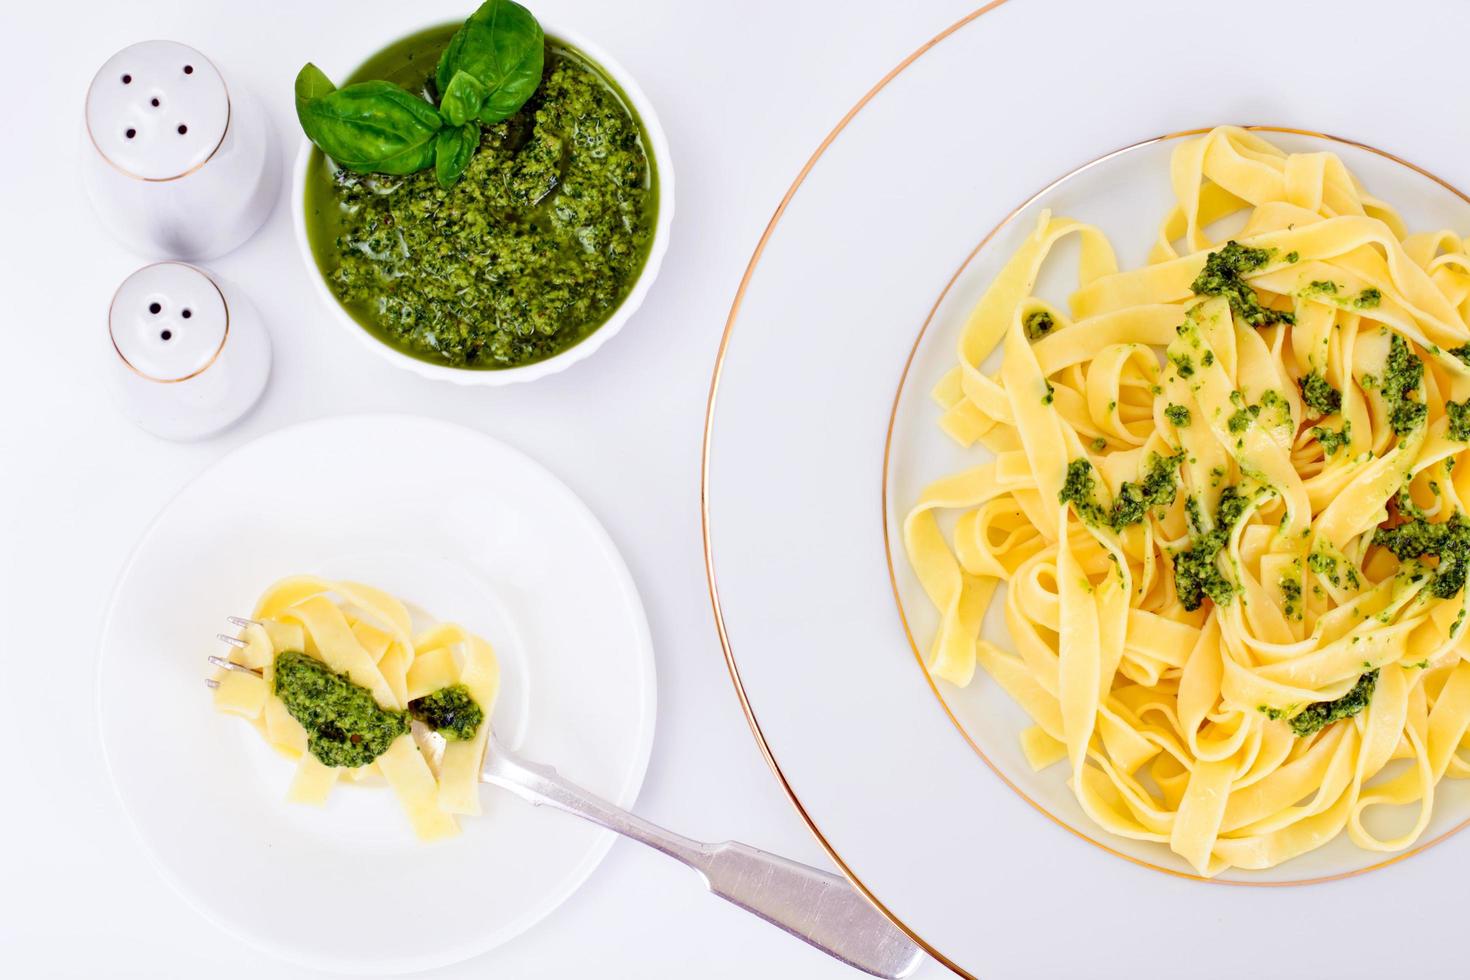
{"type": "Point", "coordinates": [819, 908]}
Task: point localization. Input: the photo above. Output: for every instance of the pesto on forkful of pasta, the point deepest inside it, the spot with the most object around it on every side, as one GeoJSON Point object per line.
{"type": "Point", "coordinates": [335, 677]}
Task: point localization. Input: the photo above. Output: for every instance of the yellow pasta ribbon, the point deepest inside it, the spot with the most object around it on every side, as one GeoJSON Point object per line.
{"type": "Point", "coordinates": [1189, 505]}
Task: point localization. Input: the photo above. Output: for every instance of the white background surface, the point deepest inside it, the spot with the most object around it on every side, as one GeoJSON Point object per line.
{"type": "Point", "coordinates": [745, 91]}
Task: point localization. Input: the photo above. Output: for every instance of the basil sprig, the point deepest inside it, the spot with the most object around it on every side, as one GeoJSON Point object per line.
{"type": "Point", "coordinates": [462, 99]}
{"type": "Point", "coordinates": [453, 147]}
{"type": "Point", "coordinates": [502, 47]}
{"type": "Point", "coordinates": [370, 127]}
{"type": "Point", "coordinates": [492, 65]}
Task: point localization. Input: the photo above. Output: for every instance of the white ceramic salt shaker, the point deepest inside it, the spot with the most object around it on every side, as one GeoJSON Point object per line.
{"type": "Point", "coordinates": [192, 355]}
{"type": "Point", "coordinates": [175, 163]}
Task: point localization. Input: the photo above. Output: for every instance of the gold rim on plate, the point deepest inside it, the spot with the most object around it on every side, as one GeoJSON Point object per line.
{"type": "Point", "coordinates": [704, 483]}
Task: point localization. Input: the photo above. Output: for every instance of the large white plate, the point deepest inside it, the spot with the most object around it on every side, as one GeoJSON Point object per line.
{"type": "Point", "coordinates": [1111, 193]}
{"type": "Point", "coordinates": [463, 528]}
{"type": "Point", "coordinates": [941, 152]}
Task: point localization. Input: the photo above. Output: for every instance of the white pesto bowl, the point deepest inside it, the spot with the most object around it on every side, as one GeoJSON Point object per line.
{"type": "Point", "coordinates": [655, 143]}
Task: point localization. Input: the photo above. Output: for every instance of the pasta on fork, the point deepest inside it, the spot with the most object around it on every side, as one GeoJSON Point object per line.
{"type": "Point", "coordinates": [336, 679]}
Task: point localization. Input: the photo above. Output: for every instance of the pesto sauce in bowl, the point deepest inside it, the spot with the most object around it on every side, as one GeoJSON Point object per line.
{"type": "Point", "coordinates": [527, 255]}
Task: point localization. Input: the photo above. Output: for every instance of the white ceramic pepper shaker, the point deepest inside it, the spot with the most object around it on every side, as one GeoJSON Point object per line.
{"type": "Point", "coordinates": [176, 164]}
{"type": "Point", "coordinates": [192, 355]}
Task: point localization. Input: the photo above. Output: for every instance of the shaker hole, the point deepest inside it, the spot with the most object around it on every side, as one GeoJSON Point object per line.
{"type": "Point", "coordinates": [153, 102]}
{"type": "Point", "coordinates": [131, 133]}
{"type": "Point", "coordinates": [167, 335]}
{"type": "Point", "coordinates": [155, 308]}
{"type": "Point", "coordinates": [187, 313]}
{"type": "Point", "coordinates": [188, 69]}
{"type": "Point", "coordinates": [127, 79]}
{"type": "Point", "coordinates": [183, 129]}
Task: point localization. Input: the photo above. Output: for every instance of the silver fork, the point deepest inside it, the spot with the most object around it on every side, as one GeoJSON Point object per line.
{"type": "Point", "coordinates": [818, 908]}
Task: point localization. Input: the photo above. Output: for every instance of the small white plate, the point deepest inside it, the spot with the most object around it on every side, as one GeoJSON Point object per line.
{"type": "Point", "coordinates": [461, 527]}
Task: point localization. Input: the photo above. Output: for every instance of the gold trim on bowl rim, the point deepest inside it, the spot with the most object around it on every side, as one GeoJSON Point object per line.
{"type": "Point", "coordinates": [704, 483]}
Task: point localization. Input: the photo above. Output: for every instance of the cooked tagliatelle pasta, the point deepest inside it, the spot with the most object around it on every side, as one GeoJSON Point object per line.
{"type": "Point", "coordinates": [1222, 493]}
{"type": "Point", "coordinates": [347, 689]}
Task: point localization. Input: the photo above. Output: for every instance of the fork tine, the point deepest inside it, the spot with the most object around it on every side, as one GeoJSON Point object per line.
{"type": "Point", "coordinates": [224, 664]}
{"type": "Point", "coordinates": [210, 682]}
{"type": "Point", "coordinates": [240, 621]}
{"type": "Point", "coordinates": [233, 641]}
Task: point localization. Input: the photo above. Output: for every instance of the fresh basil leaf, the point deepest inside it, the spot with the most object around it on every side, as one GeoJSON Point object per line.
{"type": "Point", "coordinates": [373, 127]}
{"type": "Point", "coordinates": [311, 84]}
{"type": "Point", "coordinates": [453, 148]}
{"type": "Point", "coordinates": [461, 99]}
{"type": "Point", "coordinates": [503, 47]}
